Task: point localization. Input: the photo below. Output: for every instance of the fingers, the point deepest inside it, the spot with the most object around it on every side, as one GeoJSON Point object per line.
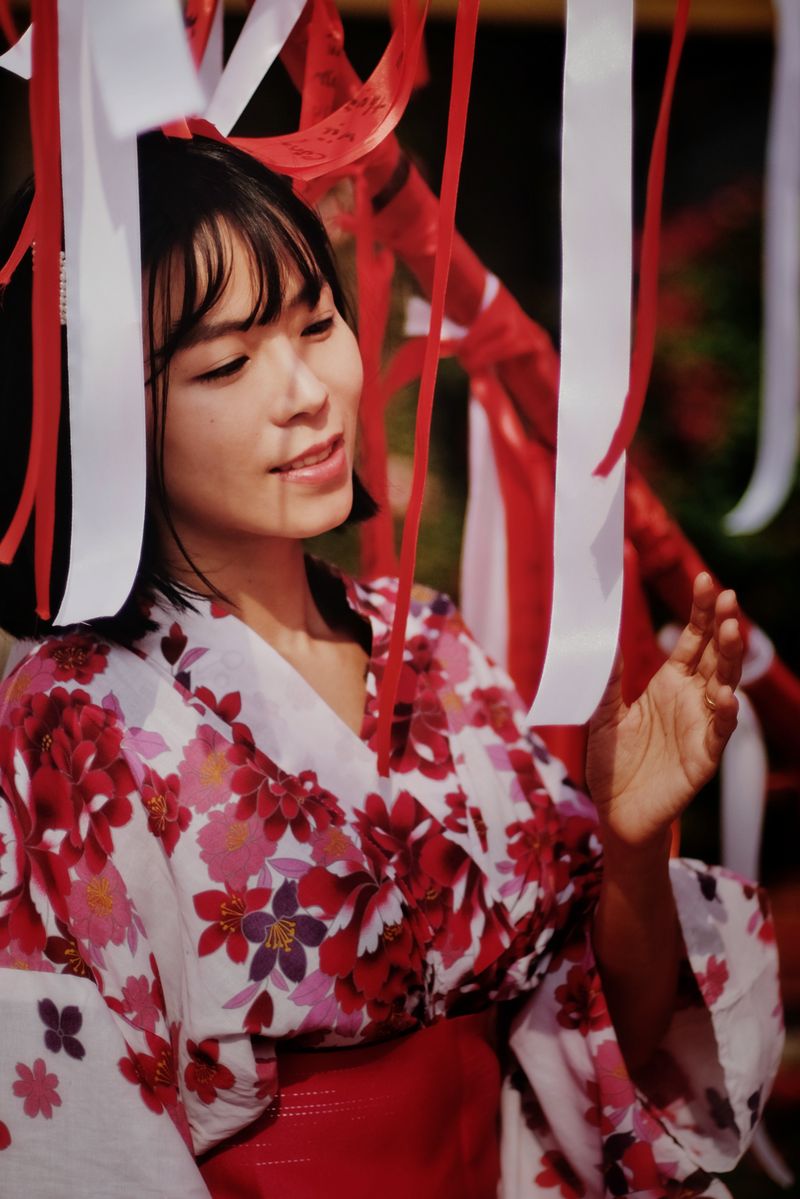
{"type": "Point", "coordinates": [721, 662]}
{"type": "Point", "coordinates": [722, 722]}
{"type": "Point", "coordinates": [699, 631]}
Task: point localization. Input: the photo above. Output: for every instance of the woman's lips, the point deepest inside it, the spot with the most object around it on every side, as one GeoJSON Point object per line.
{"type": "Point", "coordinates": [324, 470]}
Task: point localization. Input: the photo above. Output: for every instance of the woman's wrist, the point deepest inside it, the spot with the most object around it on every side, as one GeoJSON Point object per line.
{"type": "Point", "coordinates": [646, 861]}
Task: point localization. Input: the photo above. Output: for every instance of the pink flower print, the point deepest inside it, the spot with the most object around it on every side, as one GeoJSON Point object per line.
{"type": "Point", "coordinates": [5, 1136]}
{"type": "Point", "coordinates": [141, 1002]}
{"type": "Point", "coordinates": [31, 676]}
{"type": "Point", "coordinates": [38, 1089]}
{"type": "Point", "coordinates": [332, 845]}
{"type": "Point", "coordinates": [205, 771]}
{"type": "Point", "coordinates": [616, 1088]}
{"type": "Point", "coordinates": [13, 957]}
{"type": "Point", "coordinates": [234, 849]}
{"type": "Point", "coordinates": [99, 906]}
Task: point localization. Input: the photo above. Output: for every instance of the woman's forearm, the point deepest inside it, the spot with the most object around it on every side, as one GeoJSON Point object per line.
{"type": "Point", "coordinates": [637, 943]}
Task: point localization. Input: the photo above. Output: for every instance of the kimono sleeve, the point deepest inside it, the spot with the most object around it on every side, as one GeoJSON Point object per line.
{"type": "Point", "coordinates": [575, 1125]}
{"type": "Point", "coordinates": [576, 1120]}
{"type": "Point", "coordinates": [70, 1122]}
{"type": "Point", "coordinates": [89, 1102]}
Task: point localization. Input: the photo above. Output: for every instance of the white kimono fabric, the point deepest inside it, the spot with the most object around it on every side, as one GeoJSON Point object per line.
{"type": "Point", "coordinates": [195, 850]}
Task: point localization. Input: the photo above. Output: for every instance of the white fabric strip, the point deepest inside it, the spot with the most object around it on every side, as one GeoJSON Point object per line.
{"type": "Point", "coordinates": [18, 59]}
{"type": "Point", "coordinates": [210, 71]}
{"type": "Point", "coordinates": [743, 790]}
{"type": "Point", "coordinates": [143, 63]}
{"type": "Point", "coordinates": [97, 42]}
{"type": "Point", "coordinates": [779, 420]}
{"type": "Point", "coordinates": [265, 31]}
{"type": "Point", "coordinates": [484, 549]}
{"type": "Point", "coordinates": [595, 359]}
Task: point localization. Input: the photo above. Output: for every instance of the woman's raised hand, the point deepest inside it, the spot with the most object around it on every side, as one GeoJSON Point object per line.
{"type": "Point", "coordinates": [645, 762]}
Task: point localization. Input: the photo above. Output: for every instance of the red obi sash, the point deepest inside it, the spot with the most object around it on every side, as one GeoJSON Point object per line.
{"type": "Point", "coordinates": [415, 1116]}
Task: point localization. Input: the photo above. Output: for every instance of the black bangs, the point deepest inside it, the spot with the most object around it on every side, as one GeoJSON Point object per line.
{"type": "Point", "coordinates": [190, 221]}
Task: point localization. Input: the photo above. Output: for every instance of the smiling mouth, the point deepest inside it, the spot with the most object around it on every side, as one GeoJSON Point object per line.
{"type": "Point", "coordinates": [313, 458]}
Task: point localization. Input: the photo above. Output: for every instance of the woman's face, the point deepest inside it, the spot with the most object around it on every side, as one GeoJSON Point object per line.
{"type": "Point", "coordinates": [261, 422]}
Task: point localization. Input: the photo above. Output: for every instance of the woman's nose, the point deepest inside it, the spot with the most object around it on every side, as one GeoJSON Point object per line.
{"type": "Point", "coordinates": [302, 392]}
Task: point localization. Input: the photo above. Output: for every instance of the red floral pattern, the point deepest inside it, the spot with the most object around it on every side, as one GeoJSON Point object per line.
{"type": "Point", "coordinates": [233, 842]}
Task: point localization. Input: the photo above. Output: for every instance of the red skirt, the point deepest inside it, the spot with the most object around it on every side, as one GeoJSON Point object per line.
{"type": "Point", "coordinates": [412, 1118]}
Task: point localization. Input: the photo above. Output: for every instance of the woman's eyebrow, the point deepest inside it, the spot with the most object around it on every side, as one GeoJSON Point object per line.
{"type": "Point", "coordinates": [305, 296]}
{"type": "Point", "coordinates": [211, 330]}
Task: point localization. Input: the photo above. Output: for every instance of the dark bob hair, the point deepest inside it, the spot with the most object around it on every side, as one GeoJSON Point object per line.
{"type": "Point", "coordinates": [191, 192]}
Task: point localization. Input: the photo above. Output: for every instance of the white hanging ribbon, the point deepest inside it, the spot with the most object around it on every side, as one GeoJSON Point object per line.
{"type": "Point", "coordinates": [18, 58]}
{"type": "Point", "coordinates": [779, 421]}
{"type": "Point", "coordinates": [210, 71]}
{"type": "Point", "coordinates": [484, 547]}
{"type": "Point", "coordinates": [263, 36]}
{"type": "Point", "coordinates": [122, 68]}
{"type": "Point", "coordinates": [595, 359]}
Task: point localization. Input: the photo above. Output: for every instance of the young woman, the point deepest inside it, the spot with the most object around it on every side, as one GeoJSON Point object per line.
{"type": "Point", "coordinates": [238, 960]}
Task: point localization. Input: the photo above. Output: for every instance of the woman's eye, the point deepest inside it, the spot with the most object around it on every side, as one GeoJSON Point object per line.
{"type": "Point", "coordinates": [223, 372]}
{"type": "Point", "coordinates": [318, 327]}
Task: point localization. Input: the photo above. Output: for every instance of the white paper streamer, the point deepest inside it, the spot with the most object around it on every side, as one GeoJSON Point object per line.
{"type": "Point", "coordinates": [743, 789]}
{"type": "Point", "coordinates": [779, 420]}
{"type": "Point", "coordinates": [98, 41]}
{"type": "Point", "coordinates": [143, 63]}
{"type": "Point", "coordinates": [210, 71]}
{"type": "Point", "coordinates": [19, 58]}
{"type": "Point", "coordinates": [484, 550]}
{"type": "Point", "coordinates": [595, 359]}
{"type": "Point", "coordinates": [265, 31]}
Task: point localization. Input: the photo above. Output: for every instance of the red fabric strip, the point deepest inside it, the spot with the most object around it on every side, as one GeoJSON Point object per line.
{"type": "Point", "coordinates": [26, 236]}
{"type": "Point", "coordinates": [647, 300]}
{"type": "Point", "coordinates": [45, 134]}
{"type": "Point", "coordinates": [374, 270]}
{"type": "Point", "coordinates": [43, 100]}
{"type": "Point", "coordinates": [7, 23]}
{"type": "Point", "coordinates": [360, 123]}
{"type": "Point", "coordinates": [464, 51]}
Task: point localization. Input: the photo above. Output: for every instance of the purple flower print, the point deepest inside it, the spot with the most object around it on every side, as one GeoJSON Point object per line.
{"type": "Point", "coordinates": [282, 936]}
{"type": "Point", "coordinates": [62, 1029]}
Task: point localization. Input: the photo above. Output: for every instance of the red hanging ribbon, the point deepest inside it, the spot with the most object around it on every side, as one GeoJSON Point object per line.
{"type": "Point", "coordinates": [464, 51]}
{"type": "Point", "coordinates": [360, 123]}
{"type": "Point", "coordinates": [647, 300]}
{"type": "Point", "coordinates": [374, 271]}
{"type": "Point", "coordinates": [23, 244]}
{"type": "Point", "coordinates": [45, 134]}
{"type": "Point", "coordinates": [7, 23]}
{"type": "Point", "coordinates": [40, 477]}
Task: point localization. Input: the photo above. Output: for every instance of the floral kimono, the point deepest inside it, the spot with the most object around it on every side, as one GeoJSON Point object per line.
{"type": "Point", "coordinates": [199, 862]}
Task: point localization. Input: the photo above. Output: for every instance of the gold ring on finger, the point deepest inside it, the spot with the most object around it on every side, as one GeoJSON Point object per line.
{"type": "Point", "coordinates": [709, 702]}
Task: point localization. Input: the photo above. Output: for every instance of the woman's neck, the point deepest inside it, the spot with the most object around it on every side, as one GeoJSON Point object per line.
{"type": "Point", "coordinates": [267, 587]}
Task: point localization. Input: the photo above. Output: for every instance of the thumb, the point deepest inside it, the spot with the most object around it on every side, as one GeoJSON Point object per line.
{"type": "Point", "coordinates": [612, 706]}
